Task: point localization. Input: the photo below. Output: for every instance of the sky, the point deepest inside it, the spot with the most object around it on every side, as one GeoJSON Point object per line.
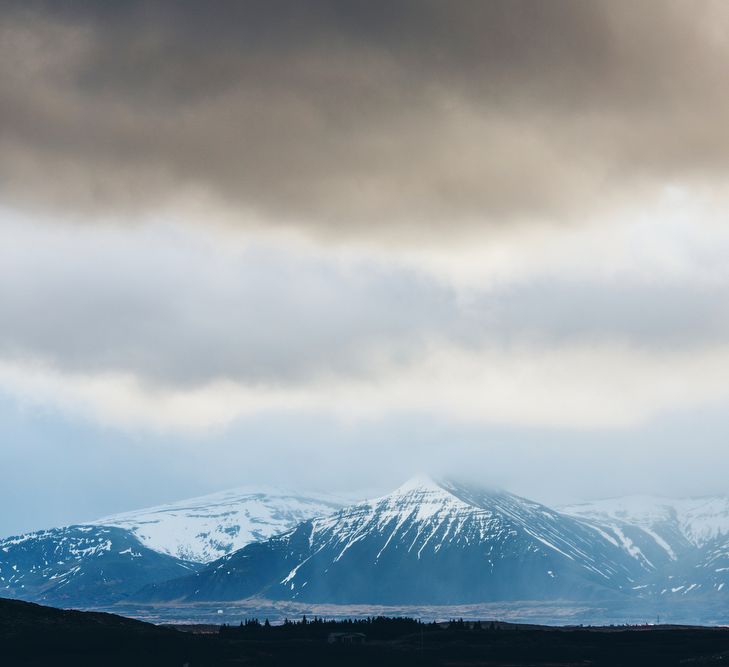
{"type": "Point", "coordinates": [330, 245]}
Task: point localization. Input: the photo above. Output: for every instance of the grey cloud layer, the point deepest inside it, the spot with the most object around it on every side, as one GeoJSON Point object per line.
{"type": "Point", "coordinates": [362, 118]}
{"type": "Point", "coordinates": [162, 306]}
{"type": "Point", "coordinates": [175, 310]}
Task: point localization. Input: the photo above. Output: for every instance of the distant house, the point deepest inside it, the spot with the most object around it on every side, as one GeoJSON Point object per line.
{"type": "Point", "coordinates": [346, 638]}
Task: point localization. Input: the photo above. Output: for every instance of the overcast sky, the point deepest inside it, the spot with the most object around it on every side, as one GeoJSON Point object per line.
{"type": "Point", "coordinates": [333, 244]}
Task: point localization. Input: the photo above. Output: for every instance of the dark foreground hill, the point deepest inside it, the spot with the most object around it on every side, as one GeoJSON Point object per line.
{"type": "Point", "coordinates": [34, 635]}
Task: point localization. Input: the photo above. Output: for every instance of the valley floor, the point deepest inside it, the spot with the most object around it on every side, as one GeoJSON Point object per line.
{"type": "Point", "coordinates": [555, 613]}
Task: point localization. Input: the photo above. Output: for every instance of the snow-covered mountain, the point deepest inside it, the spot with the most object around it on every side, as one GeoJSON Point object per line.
{"type": "Point", "coordinates": [692, 532]}
{"type": "Point", "coordinates": [81, 565]}
{"type": "Point", "coordinates": [427, 542]}
{"type": "Point", "coordinates": [695, 520]}
{"type": "Point", "coordinates": [205, 528]}
{"type": "Point", "coordinates": [104, 561]}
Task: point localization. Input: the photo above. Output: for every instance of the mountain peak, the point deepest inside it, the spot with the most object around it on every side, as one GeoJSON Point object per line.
{"type": "Point", "coordinates": [433, 541]}
{"type": "Point", "coordinates": [420, 482]}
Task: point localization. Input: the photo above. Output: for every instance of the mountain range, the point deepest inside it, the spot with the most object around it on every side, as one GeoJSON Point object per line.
{"type": "Point", "coordinates": [103, 561]}
{"type": "Point", "coordinates": [445, 543]}
{"type": "Point", "coordinates": [428, 542]}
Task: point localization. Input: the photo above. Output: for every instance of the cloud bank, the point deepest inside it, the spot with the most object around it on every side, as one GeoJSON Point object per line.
{"type": "Point", "coordinates": [169, 327]}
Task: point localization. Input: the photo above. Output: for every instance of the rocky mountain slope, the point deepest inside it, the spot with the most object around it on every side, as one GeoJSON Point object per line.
{"type": "Point", "coordinates": [81, 565]}
{"type": "Point", "coordinates": [692, 532]}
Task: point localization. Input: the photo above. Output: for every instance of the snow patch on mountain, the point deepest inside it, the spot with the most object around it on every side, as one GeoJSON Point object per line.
{"type": "Point", "coordinates": [205, 528]}
{"type": "Point", "coordinates": [698, 520]}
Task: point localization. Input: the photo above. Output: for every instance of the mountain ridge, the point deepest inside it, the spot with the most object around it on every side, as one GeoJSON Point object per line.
{"type": "Point", "coordinates": [204, 528]}
{"type": "Point", "coordinates": [427, 541]}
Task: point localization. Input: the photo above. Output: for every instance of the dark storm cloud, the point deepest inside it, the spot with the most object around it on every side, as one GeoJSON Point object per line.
{"type": "Point", "coordinates": [361, 118]}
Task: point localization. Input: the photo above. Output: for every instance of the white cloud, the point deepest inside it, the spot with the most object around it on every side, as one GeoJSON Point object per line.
{"type": "Point", "coordinates": [583, 387]}
{"type": "Point", "coordinates": [679, 235]}
{"type": "Point", "coordinates": [167, 326]}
